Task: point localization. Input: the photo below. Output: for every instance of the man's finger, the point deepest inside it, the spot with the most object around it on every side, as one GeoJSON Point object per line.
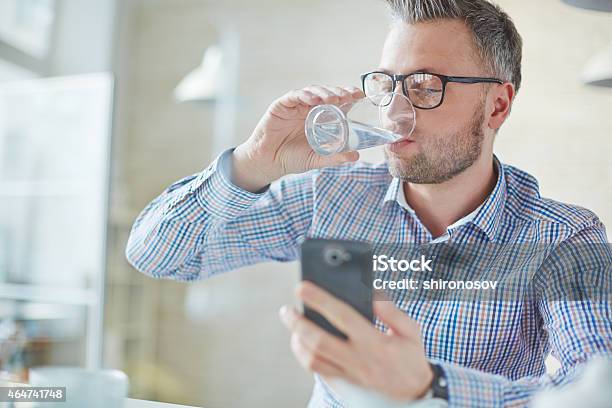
{"type": "Point", "coordinates": [315, 338]}
{"type": "Point", "coordinates": [342, 93]}
{"type": "Point", "coordinates": [313, 362]}
{"type": "Point", "coordinates": [326, 95]}
{"type": "Point", "coordinates": [337, 312]}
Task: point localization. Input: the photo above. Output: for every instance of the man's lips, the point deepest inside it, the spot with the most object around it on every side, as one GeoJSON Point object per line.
{"type": "Point", "coordinates": [402, 144]}
{"type": "Point", "coordinates": [404, 140]}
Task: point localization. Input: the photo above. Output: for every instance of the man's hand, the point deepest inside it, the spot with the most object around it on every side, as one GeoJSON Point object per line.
{"type": "Point", "coordinates": [278, 145]}
{"type": "Point", "coordinates": [391, 363]}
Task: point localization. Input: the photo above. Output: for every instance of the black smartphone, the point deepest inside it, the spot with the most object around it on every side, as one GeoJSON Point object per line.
{"type": "Point", "coordinates": [343, 268]}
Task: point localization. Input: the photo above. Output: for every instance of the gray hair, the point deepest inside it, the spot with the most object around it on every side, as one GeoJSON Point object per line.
{"type": "Point", "coordinates": [495, 36]}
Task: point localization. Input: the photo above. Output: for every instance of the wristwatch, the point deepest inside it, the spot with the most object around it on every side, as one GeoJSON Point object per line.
{"type": "Point", "coordinates": [437, 396]}
{"type": "Point", "coordinates": [439, 384]}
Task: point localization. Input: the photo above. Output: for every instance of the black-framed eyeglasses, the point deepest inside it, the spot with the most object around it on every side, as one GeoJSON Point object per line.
{"type": "Point", "coordinates": [424, 89]}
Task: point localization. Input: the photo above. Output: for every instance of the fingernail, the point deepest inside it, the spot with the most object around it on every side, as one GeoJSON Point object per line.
{"type": "Point", "coordinates": [282, 312]}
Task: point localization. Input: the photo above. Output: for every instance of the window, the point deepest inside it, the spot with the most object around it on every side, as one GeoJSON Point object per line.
{"type": "Point", "coordinates": [26, 25]}
{"type": "Point", "coordinates": [26, 28]}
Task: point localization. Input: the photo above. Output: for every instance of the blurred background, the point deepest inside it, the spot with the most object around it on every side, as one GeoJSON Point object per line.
{"type": "Point", "coordinates": [104, 103]}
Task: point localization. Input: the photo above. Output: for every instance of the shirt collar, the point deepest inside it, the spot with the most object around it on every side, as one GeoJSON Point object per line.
{"type": "Point", "coordinates": [393, 190]}
{"type": "Point", "coordinates": [490, 214]}
{"type": "Point", "coordinates": [487, 216]}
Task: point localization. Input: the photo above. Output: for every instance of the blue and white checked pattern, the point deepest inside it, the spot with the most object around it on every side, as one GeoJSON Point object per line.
{"type": "Point", "coordinates": [492, 353]}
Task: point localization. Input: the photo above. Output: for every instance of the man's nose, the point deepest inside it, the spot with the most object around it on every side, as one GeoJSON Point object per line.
{"type": "Point", "coordinates": [398, 87]}
{"type": "Point", "coordinates": [399, 105]}
{"type": "Point", "coordinates": [399, 115]}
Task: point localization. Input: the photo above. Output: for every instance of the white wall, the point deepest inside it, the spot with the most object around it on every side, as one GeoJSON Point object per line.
{"type": "Point", "coordinates": [560, 130]}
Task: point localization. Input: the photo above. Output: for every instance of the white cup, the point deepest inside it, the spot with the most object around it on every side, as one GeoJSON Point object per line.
{"type": "Point", "coordinates": [84, 388]}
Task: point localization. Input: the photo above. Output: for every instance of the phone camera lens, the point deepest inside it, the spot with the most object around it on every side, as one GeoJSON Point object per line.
{"type": "Point", "coordinates": [336, 256]}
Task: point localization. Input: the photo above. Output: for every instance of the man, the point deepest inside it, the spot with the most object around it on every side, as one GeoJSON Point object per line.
{"type": "Point", "coordinates": [440, 184]}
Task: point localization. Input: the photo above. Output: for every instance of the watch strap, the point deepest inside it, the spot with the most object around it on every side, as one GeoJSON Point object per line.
{"type": "Point", "coordinates": [439, 384]}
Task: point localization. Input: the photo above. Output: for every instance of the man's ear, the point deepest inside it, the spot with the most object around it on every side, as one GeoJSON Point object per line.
{"type": "Point", "coordinates": [503, 95]}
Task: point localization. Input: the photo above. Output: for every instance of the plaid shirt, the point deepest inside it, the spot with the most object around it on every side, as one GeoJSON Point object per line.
{"type": "Point", "coordinates": [492, 353]}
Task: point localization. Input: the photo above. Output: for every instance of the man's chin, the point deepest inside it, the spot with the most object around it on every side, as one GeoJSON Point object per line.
{"type": "Point", "coordinates": [407, 165]}
{"type": "Point", "coordinates": [397, 161]}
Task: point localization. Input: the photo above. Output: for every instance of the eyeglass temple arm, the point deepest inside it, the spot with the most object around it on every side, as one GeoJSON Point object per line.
{"type": "Point", "coordinates": [473, 80]}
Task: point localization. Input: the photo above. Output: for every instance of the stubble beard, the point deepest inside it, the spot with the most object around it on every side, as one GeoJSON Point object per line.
{"type": "Point", "coordinates": [441, 157]}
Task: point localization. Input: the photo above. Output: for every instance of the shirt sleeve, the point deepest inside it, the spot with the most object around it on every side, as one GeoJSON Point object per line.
{"type": "Point", "coordinates": [204, 224]}
{"type": "Point", "coordinates": [576, 317]}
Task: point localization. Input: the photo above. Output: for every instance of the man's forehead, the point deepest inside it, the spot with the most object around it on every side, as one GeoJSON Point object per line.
{"type": "Point", "coordinates": [444, 47]}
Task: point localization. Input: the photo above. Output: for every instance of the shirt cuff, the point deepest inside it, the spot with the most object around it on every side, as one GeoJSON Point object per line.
{"type": "Point", "coordinates": [216, 193]}
{"type": "Point", "coordinates": [469, 387]}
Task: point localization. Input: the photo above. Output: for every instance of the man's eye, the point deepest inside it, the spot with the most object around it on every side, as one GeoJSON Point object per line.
{"type": "Point", "coordinates": [427, 91]}
{"type": "Point", "coordinates": [431, 91]}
